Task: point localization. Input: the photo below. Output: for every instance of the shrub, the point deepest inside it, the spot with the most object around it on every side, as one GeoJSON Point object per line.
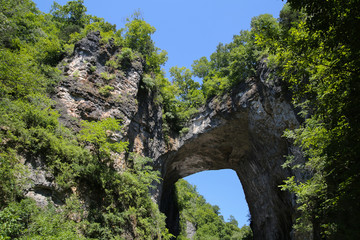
{"type": "Point", "coordinates": [25, 220]}
{"type": "Point", "coordinates": [126, 57]}
{"type": "Point", "coordinates": [76, 74]}
{"type": "Point", "coordinates": [93, 68]}
{"type": "Point", "coordinates": [105, 91]}
{"type": "Point", "coordinates": [112, 63]}
{"type": "Point", "coordinates": [107, 76]}
{"type": "Point", "coordinates": [184, 131]}
{"type": "Point", "coordinates": [149, 82]}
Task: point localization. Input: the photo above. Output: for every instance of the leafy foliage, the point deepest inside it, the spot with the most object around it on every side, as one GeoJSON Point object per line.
{"type": "Point", "coordinates": [313, 47]}
{"type": "Point", "coordinates": [106, 90]}
{"type": "Point", "coordinates": [126, 206]}
{"type": "Point", "coordinates": [237, 61]}
{"type": "Point", "coordinates": [98, 134]}
{"type": "Point", "coordinates": [205, 217]}
{"type": "Point", "coordinates": [73, 12]}
{"type": "Point", "coordinates": [31, 45]}
{"type": "Point", "coordinates": [107, 76]}
{"type": "Point", "coordinates": [32, 129]}
{"type": "Point", "coordinates": [138, 36]}
{"type": "Point", "coordinates": [316, 58]}
{"type": "Point", "coordinates": [25, 220]}
{"type": "Point", "coordinates": [187, 94]}
{"type": "Point", "coordinates": [11, 171]}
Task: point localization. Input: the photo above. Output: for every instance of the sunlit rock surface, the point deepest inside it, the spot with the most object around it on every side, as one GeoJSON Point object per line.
{"type": "Point", "coordinates": [241, 130]}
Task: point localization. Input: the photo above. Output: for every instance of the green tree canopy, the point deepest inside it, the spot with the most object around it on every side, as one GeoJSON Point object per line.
{"type": "Point", "coordinates": [138, 36]}
{"type": "Point", "coordinates": [73, 12]}
{"type": "Point", "coordinates": [205, 217]}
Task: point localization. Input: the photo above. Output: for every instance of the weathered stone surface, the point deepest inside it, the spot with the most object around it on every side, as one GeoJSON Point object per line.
{"type": "Point", "coordinates": [41, 186]}
{"type": "Point", "coordinates": [241, 131]}
{"type": "Point", "coordinates": [190, 230]}
{"type": "Point", "coordinates": [79, 95]}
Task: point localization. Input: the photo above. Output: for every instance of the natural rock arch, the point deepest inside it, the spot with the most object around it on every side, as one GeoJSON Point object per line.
{"type": "Point", "coordinates": [242, 131]}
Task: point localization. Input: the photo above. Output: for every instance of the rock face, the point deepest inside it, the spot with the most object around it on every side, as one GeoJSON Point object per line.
{"type": "Point", "coordinates": [82, 95]}
{"type": "Point", "coordinates": [240, 131]}
{"type": "Point", "coordinates": [91, 90]}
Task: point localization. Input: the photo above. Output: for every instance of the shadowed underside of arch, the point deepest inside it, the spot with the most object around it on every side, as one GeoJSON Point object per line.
{"type": "Point", "coordinates": [242, 133]}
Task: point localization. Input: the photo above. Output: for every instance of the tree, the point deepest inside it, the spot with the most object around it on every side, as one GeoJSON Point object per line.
{"type": "Point", "coordinates": [318, 59]}
{"type": "Point", "coordinates": [220, 59]}
{"type": "Point", "coordinates": [209, 223]}
{"type": "Point", "coordinates": [266, 30]}
{"type": "Point", "coordinates": [73, 13]}
{"type": "Point", "coordinates": [182, 79]}
{"type": "Point", "coordinates": [18, 22]}
{"type": "Point", "coordinates": [289, 17]}
{"type": "Point", "coordinates": [138, 36]}
{"type": "Point", "coordinates": [185, 98]}
{"type": "Point", "coordinates": [102, 135]}
{"type": "Point", "coordinates": [201, 67]}
{"type": "Point", "coordinates": [70, 18]}
{"type": "Point", "coordinates": [265, 26]}
{"type": "Point", "coordinates": [233, 221]}
{"type": "Point", "coordinates": [337, 21]}
{"type": "Point", "coordinates": [243, 57]}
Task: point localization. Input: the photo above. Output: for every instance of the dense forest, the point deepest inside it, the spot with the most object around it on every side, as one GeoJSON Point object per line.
{"type": "Point", "coordinates": [312, 49]}
{"type": "Point", "coordinates": [206, 219]}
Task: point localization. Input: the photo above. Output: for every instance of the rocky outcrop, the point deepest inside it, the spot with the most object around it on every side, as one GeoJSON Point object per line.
{"type": "Point", "coordinates": [40, 184]}
{"type": "Point", "coordinates": [241, 130]}
{"type": "Point", "coordinates": [91, 90]}
{"type": "Point", "coordinates": [190, 230]}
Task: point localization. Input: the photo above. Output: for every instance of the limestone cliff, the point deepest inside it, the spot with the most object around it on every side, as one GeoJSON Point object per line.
{"type": "Point", "coordinates": [241, 130]}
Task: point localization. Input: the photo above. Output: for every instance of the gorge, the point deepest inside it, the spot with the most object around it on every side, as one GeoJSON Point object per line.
{"type": "Point", "coordinates": [96, 138]}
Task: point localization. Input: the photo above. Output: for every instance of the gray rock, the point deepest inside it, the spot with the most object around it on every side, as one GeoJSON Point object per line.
{"type": "Point", "coordinates": [89, 45]}
{"type": "Point", "coordinates": [190, 230]}
{"type": "Point", "coordinates": [241, 130]}
{"type": "Point", "coordinates": [41, 186]}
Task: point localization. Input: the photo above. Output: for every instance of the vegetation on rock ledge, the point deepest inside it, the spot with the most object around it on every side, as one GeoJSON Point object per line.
{"type": "Point", "coordinates": [312, 49]}
{"type": "Point", "coordinates": [118, 204]}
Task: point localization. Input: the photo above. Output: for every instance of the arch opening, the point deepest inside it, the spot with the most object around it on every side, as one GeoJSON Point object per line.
{"type": "Point", "coordinates": [209, 204]}
{"type": "Point", "coordinates": [222, 188]}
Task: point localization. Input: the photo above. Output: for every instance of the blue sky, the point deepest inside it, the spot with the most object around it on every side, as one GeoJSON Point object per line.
{"type": "Point", "coordinates": [189, 30]}
{"type": "Point", "coordinates": [222, 188]}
